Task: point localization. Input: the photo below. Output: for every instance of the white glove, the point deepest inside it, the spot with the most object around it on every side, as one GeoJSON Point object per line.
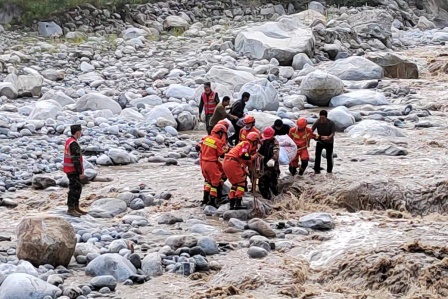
{"type": "Point", "coordinates": [270, 163]}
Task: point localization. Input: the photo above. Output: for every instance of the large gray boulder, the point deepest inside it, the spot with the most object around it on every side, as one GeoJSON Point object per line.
{"type": "Point", "coordinates": [111, 264]}
{"type": "Point", "coordinates": [320, 87]}
{"type": "Point", "coordinates": [300, 60]}
{"type": "Point", "coordinates": [58, 96]}
{"type": "Point", "coordinates": [275, 40]}
{"type": "Point", "coordinates": [342, 118]}
{"type": "Point", "coordinates": [373, 128]}
{"type": "Point", "coordinates": [185, 121]}
{"type": "Point", "coordinates": [97, 101]}
{"type": "Point", "coordinates": [107, 208]}
{"type": "Point", "coordinates": [359, 97]}
{"type": "Point", "coordinates": [394, 65]}
{"type": "Point", "coordinates": [45, 240]}
{"type": "Point", "coordinates": [263, 95]}
{"type": "Point", "coordinates": [172, 22]}
{"type": "Point", "coordinates": [161, 116]}
{"type": "Point", "coordinates": [356, 68]}
{"type": "Point", "coordinates": [45, 109]}
{"type": "Point", "coordinates": [21, 286]}
{"type": "Point", "coordinates": [232, 79]}
{"type": "Point", "coordinates": [30, 85]}
{"type": "Point", "coordinates": [373, 23]}
{"type": "Point", "coordinates": [151, 100]}
{"type": "Point", "coordinates": [180, 92]}
{"type": "Point", "coordinates": [120, 156]}
{"type": "Point", "coordinates": [319, 221]}
{"type": "Point", "coordinates": [152, 264]}
{"type": "Point", "coordinates": [263, 120]}
{"type": "Point", "coordinates": [49, 29]}
{"type": "Point", "coordinates": [8, 90]}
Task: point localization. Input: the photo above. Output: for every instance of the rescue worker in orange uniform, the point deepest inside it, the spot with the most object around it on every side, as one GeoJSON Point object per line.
{"type": "Point", "coordinates": [249, 126]}
{"type": "Point", "coordinates": [211, 149]}
{"type": "Point", "coordinates": [301, 135]}
{"type": "Point", "coordinates": [74, 168]}
{"type": "Point", "coordinates": [235, 167]}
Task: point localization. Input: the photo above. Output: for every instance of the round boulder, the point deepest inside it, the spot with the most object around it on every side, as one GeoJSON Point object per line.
{"type": "Point", "coordinates": [320, 87]}
{"type": "Point", "coordinates": [45, 240]}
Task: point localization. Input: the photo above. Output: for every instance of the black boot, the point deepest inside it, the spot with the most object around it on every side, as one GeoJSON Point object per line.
{"type": "Point", "coordinates": [219, 191]}
{"type": "Point", "coordinates": [292, 170]}
{"type": "Point", "coordinates": [239, 205]}
{"type": "Point", "coordinates": [212, 202]}
{"type": "Point", "coordinates": [206, 198]}
{"type": "Point", "coordinates": [232, 204]}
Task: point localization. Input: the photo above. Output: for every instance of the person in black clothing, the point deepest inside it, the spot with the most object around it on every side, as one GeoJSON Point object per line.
{"type": "Point", "coordinates": [325, 139]}
{"type": "Point", "coordinates": [280, 128]}
{"type": "Point", "coordinates": [238, 111]}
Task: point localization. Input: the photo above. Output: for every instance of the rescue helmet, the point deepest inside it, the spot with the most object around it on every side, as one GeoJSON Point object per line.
{"type": "Point", "coordinates": [268, 133]}
{"type": "Point", "coordinates": [253, 136]}
{"type": "Point", "coordinates": [301, 123]}
{"type": "Point", "coordinates": [224, 123]}
{"type": "Point", "coordinates": [219, 128]}
{"type": "Point", "coordinates": [248, 119]}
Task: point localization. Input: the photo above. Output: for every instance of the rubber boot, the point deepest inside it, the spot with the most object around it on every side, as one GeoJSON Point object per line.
{"type": "Point", "coordinates": [72, 212]}
{"type": "Point", "coordinates": [292, 170]}
{"type": "Point", "coordinates": [301, 171]}
{"type": "Point", "coordinates": [78, 209]}
{"type": "Point", "coordinates": [206, 198]}
{"type": "Point", "coordinates": [212, 202]}
{"type": "Point", "coordinates": [239, 205]}
{"type": "Point", "coordinates": [232, 204]}
{"type": "Point", "coordinates": [219, 191]}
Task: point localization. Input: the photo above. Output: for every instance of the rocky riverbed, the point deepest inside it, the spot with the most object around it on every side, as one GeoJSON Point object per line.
{"type": "Point", "coordinates": [373, 229]}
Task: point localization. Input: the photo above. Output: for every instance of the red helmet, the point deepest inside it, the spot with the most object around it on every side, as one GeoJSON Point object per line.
{"type": "Point", "coordinates": [224, 123]}
{"type": "Point", "coordinates": [219, 128]}
{"type": "Point", "coordinates": [253, 136]}
{"type": "Point", "coordinates": [301, 123]}
{"type": "Point", "coordinates": [248, 119]}
{"type": "Point", "coordinates": [268, 133]}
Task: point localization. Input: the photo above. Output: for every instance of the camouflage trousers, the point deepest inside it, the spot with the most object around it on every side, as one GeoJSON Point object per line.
{"type": "Point", "coordinates": [269, 182]}
{"type": "Point", "coordinates": [75, 189]}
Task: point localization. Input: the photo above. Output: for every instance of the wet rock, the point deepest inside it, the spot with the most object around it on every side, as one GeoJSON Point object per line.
{"type": "Point", "coordinates": [359, 97]}
{"type": "Point", "coordinates": [247, 234]}
{"type": "Point", "coordinates": [257, 252]}
{"type": "Point", "coordinates": [263, 95]}
{"type": "Point", "coordinates": [373, 128]}
{"type": "Point", "coordinates": [390, 150]}
{"type": "Point", "coordinates": [107, 208]}
{"type": "Point", "coordinates": [104, 281]}
{"type": "Point", "coordinates": [42, 182]}
{"type": "Point", "coordinates": [201, 263]}
{"type": "Point", "coordinates": [238, 214]}
{"type": "Point", "coordinates": [394, 65]}
{"type": "Point", "coordinates": [341, 117]}
{"type": "Point", "coordinates": [152, 264]}
{"type": "Point", "coordinates": [261, 227]}
{"type": "Point", "coordinates": [320, 87]}
{"type": "Point", "coordinates": [45, 240]}
{"type": "Point", "coordinates": [135, 260]}
{"type": "Point", "coordinates": [181, 241]}
{"type": "Point", "coordinates": [111, 264]}
{"type": "Point", "coordinates": [20, 285]}
{"type": "Point", "coordinates": [196, 251]}
{"type": "Point", "coordinates": [319, 221]}
{"type": "Point", "coordinates": [356, 68]}
{"type": "Point", "coordinates": [208, 245]}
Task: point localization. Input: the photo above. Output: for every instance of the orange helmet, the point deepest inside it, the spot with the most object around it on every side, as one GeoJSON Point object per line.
{"type": "Point", "coordinates": [219, 128]}
{"type": "Point", "coordinates": [248, 119]}
{"type": "Point", "coordinates": [301, 123]}
{"type": "Point", "coordinates": [268, 133]}
{"type": "Point", "coordinates": [253, 136]}
{"type": "Point", "coordinates": [224, 123]}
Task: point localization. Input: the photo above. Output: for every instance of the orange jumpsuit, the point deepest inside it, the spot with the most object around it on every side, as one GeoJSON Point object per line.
{"type": "Point", "coordinates": [211, 149]}
{"type": "Point", "coordinates": [235, 162]}
{"type": "Point", "coordinates": [302, 139]}
{"type": "Point", "coordinates": [244, 132]}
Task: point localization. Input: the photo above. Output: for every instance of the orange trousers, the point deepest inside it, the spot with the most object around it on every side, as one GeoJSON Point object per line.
{"type": "Point", "coordinates": [303, 155]}
{"type": "Point", "coordinates": [212, 173]}
{"type": "Point", "coordinates": [236, 175]}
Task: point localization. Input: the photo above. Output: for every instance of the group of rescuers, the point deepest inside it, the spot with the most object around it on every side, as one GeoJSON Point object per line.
{"type": "Point", "coordinates": [239, 151]}
{"type": "Point", "coordinates": [248, 145]}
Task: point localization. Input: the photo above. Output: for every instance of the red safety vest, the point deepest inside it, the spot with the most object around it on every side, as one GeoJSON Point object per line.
{"type": "Point", "coordinates": [209, 103]}
{"type": "Point", "coordinates": [69, 167]}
